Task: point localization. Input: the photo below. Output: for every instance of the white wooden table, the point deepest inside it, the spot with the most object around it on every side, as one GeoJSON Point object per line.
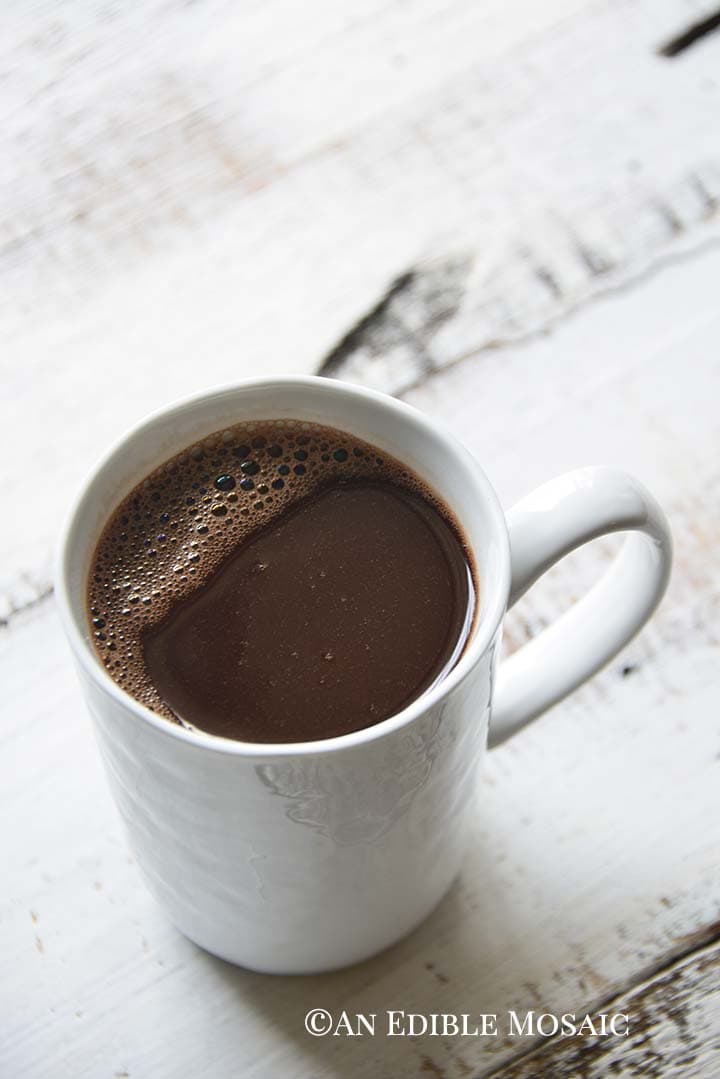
{"type": "Point", "coordinates": [510, 215]}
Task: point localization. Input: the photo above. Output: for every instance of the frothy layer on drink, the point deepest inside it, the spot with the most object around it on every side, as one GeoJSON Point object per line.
{"type": "Point", "coordinates": [279, 581]}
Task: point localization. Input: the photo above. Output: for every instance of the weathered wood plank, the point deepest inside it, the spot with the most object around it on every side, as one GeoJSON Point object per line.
{"type": "Point", "coordinates": [674, 1030]}
{"type": "Point", "coordinates": [568, 891]}
{"type": "Point", "coordinates": [191, 194]}
{"type": "Point", "coordinates": [595, 857]}
{"type": "Point", "coordinates": [194, 193]}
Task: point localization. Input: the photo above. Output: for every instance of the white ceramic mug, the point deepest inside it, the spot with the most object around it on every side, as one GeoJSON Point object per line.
{"type": "Point", "coordinates": [307, 856]}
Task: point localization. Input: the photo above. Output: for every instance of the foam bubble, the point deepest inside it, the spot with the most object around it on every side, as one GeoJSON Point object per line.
{"type": "Point", "coordinates": [169, 535]}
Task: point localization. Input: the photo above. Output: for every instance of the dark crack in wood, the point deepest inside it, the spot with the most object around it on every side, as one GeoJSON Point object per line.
{"type": "Point", "coordinates": [694, 33]}
{"type": "Point", "coordinates": [350, 365]}
{"type": "Point", "coordinates": [595, 263]}
{"type": "Point", "coordinates": [679, 998]}
{"type": "Point", "coordinates": [708, 200]}
{"type": "Point", "coordinates": [14, 610]}
{"type": "Point", "coordinates": [399, 327]}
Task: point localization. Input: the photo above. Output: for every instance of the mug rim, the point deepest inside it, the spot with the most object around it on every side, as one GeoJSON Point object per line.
{"type": "Point", "coordinates": [484, 631]}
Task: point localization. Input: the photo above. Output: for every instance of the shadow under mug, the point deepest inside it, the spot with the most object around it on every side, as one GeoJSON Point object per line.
{"type": "Point", "coordinates": [302, 857]}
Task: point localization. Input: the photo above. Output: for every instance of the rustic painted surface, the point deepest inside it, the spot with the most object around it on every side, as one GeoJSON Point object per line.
{"type": "Point", "coordinates": [513, 220]}
{"type": "Point", "coordinates": [195, 192]}
{"type": "Point", "coordinates": [676, 1031]}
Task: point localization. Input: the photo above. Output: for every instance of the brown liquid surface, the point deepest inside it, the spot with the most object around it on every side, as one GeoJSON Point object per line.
{"type": "Point", "coordinates": [280, 582]}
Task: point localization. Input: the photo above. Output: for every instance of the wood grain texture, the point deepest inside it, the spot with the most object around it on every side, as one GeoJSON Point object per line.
{"type": "Point", "coordinates": [192, 193]}
{"type": "Point", "coordinates": [675, 1031]}
{"type": "Point", "coordinates": [512, 218]}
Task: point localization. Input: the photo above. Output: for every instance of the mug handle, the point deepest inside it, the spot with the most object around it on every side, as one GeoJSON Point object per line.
{"type": "Point", "coordinates": [545, 526]}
